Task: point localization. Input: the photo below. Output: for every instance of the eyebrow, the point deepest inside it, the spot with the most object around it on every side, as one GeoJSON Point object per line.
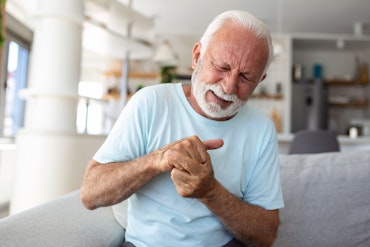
{"type": "Point", "coordinates": [245, 74]}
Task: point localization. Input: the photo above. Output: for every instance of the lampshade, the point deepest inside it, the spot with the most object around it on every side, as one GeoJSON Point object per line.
{"type": "Point", "coordinates": [164, 55]}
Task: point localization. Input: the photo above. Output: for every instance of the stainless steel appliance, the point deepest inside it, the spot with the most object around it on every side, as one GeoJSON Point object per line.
{"type": "Point", "coordinates": [309, 106]}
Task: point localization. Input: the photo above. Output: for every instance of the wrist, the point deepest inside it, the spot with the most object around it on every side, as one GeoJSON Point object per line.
{"type": "Point", "coordinates": [213, 194]}
{"type": "Point", "coordinates": [157, 162]}
{"type": "Point", "coordinates": [147, 164]}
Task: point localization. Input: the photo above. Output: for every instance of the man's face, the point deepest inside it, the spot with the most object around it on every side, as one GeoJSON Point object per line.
{"type": "Point", "coordinates": [228, 72]}
{"type": "Point", "coordinates": [213, 109]}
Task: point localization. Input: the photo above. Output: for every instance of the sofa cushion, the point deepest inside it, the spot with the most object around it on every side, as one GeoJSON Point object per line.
{"type": "Point", "coordinates": [62, 222]}
{"type": "Point", "coordinates": [327, 200]}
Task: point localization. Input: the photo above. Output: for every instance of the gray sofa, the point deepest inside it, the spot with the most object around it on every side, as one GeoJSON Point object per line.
{"type": "Point", "coordinates": [327, 199]}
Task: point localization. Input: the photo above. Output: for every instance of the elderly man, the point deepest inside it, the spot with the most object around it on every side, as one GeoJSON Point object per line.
{"type": "Point", "coordinates": [198, 165]}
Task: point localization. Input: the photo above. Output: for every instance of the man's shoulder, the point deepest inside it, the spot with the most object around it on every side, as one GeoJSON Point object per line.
{"type": "Point", "coordinates": [153, 93]}
{"type": "Point", "coordinates": [160, 88]}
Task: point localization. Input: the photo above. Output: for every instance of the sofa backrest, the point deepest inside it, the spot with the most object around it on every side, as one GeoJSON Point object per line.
{"type": "Point", "coordinates": [327, 200]}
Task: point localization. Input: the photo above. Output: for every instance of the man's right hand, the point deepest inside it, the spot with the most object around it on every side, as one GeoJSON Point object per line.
{"type": "Point", "coordinates": [192, 147]}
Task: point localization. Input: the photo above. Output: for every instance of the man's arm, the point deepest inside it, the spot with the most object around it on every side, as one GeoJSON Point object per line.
{"type": "Point", "coordinates": [111, 183]}
{"type": "Point", "coordinates": [108, 184]}
{"type": "Point", "coordinates": [193, 177]}
{"type": "Point", "coordinates": [252, 225]}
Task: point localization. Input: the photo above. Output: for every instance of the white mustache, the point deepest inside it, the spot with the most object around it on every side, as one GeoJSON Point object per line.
{"type": "Point", "coordinates": [217, 90]}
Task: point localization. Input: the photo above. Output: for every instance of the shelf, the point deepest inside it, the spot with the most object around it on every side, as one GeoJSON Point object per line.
{"type": "Point", "coordinates": [357, 104]}
{"type": "Point", "coordinates": [345, 83]}
{"type": "Point", "coordinates": [139, 75]}
{"type": "Point", "coordinates": [115, 96]}
{"type": "Point", "coordinates": [328, 42]}
{"type": "Point", "coordinates": [143, 75]}
{"type": "Point", "coordinates": [267, 96]}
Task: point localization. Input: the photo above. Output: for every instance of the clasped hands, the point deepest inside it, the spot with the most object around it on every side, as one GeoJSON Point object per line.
{"type": "Point", "coordinates": [190, 165]}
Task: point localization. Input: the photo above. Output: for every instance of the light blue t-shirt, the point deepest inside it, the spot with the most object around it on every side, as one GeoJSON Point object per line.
{"type": "Point", "coordinates": [246, 165]}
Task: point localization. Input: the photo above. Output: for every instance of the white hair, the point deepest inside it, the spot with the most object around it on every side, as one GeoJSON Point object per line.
{"type": "Point", "coordinates": [245, 20]}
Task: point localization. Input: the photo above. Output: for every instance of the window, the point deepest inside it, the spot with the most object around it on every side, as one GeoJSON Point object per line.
{"type": "Point", "coordinates": [90, 109]}
{"type": "Point", "coordinates": [14, 79]}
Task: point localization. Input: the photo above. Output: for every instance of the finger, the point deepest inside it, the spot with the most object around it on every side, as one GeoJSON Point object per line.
{"type": "Point", "coordinates": [194, 148]}
{"type": "Point", "coordinates": [202, 147]}
{"type": "Point", "coordinates": [183, 182]}
{"type": "Point", "coordinates": [213, 144]}
{"type": "Point", "coordinates": [186, 163]}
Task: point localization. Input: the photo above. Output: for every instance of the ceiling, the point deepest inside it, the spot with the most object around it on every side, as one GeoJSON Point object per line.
{"type": "Point", "coordinates": [192, 16]}
{"type": "Point", "coordinates": [185, 20]}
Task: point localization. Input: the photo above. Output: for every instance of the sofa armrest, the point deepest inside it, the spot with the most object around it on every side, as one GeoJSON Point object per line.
{"type": "Point", "coordinates": [62, 222]}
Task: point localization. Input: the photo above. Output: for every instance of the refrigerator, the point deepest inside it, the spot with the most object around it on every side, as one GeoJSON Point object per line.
{"type": "Point", "coordinates": [309, 106]}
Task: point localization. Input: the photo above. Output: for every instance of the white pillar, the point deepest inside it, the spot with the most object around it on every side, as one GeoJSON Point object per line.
{"type": "Point", "coordinates": [46, 149]}
{"type": "Point", "coordinates": [55, 66]}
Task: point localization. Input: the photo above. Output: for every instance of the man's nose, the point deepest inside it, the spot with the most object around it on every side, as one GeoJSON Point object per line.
{"type": "Point", "coordinates": [230, 82]}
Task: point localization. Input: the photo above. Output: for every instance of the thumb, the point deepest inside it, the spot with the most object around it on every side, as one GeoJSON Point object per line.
{"type": "Point", "coordinates": [213, 144]}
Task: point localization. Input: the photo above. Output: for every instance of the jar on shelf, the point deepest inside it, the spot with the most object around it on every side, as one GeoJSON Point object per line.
{"type": "Point", "coordinates": [364, 73]}
{"type": "Point", "coordinates": [297, 72]}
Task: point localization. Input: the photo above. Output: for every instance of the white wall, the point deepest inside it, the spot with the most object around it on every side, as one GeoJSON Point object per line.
{"type": "Point", "coordinates": [63, 180]}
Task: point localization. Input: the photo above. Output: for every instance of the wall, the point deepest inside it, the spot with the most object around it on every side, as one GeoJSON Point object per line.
{"type": "Point", "coordinates": [7, 161]}
{"type": "Point", "coordinates": [84, 147]}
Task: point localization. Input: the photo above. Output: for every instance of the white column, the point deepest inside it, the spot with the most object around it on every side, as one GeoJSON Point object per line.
{"type": "Point", "coordinates": [55, 66]}
{"type": "Point", "coordinates": [46, 147]}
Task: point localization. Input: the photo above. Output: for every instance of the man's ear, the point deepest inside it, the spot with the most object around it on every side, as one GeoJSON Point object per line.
{"type": "Point", "coordinates": [196, 54]}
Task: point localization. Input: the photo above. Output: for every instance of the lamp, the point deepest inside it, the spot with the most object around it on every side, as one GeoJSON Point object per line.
{"type": "Point", "coordinates": [166, 58]}
{"type": "Point", "coordinates": [164, 55]}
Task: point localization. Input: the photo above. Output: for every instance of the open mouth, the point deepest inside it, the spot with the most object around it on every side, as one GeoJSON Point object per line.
{"type": "Point", "coordinates": [218, 100]}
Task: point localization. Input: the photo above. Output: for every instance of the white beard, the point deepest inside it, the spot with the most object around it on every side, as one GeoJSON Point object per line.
{"type": "Point", "coordinates": [212, 109]}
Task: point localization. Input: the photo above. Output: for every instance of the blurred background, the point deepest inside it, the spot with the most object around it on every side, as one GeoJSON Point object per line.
{"type": "Point", "coordinates": [69, 66]}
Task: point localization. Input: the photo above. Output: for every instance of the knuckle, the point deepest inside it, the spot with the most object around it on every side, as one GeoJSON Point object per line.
{"type": "Point", "coordinates": [187, 144]}
{"type": "Point", "coordinates": [195, 138]}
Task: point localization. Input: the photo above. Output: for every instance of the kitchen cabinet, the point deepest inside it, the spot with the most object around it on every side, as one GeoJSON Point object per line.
{"type": "Point", "coordinates": [360, 100]}
{"type": "Point", "coordinates": [340, 58]}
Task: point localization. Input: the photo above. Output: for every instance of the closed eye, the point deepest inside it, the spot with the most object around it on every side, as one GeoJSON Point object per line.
{"type": "Point", "coordinates": [221, 68]}
{"type": "Point", "coordinates": [246, 78]}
